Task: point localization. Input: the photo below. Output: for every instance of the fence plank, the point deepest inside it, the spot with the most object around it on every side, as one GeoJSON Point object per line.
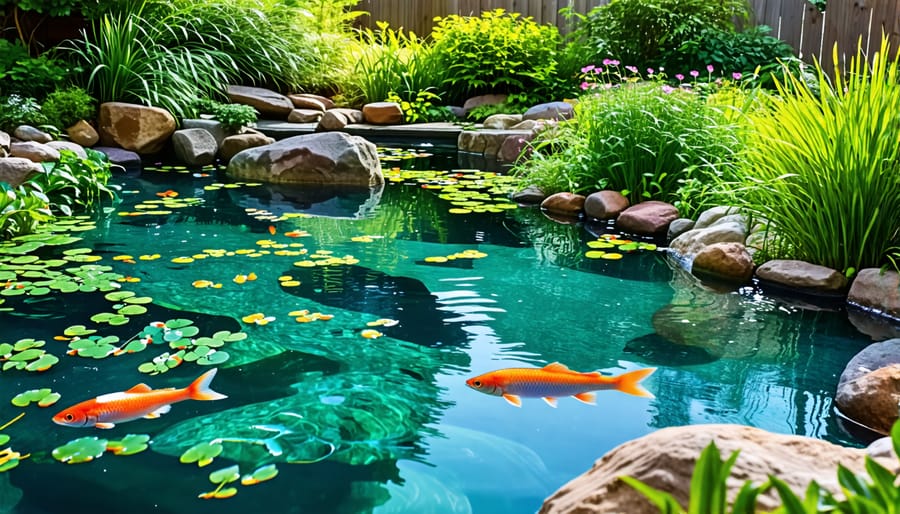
{"type": "Point", "coordinates": [811, 47]}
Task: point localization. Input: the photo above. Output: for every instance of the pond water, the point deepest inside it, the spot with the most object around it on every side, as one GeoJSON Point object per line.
{"type": "Point", "coordinates": [386, 424]}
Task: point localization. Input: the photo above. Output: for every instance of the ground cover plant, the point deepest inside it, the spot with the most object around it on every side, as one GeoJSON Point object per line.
{"type": "Point", "coordinates": [824, 170]}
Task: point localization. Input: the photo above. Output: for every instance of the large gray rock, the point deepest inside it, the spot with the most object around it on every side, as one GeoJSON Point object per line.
{"type": "Point", "coordinates": [515, 147]}
{"type": "Point", "coordinates": [338, 118]}
{"type": "Point", "coordinates": [37, 152]}
{"type": "Point", "coordinates": [487, 142]}
{"type": "Point", "coordinates": [195, 146]}
{"type": "Point", "coordinates": [550, 111]}
{"type": "Point", "coordinates": [70, 146]}
{"type": "Point", "coordinates": [665, 460]}
{"type": "Point", "coordinates": [877, 290]}
{"type": "Point", "coordinates": [233, 145]}
{"type": "Point", "coordinates": [138, 128]}
{"type": "Point", "coordinates": [328, 158]}
{"type": "Point", "coordinates": [128, 160]}
{"type": "Point", "coordinates": [648, 218]}
{"type": "Point", "coordinates": [714, 215]}
{"type": "Point", "coordinates": [270, 104]}
{"type": "Point", "coordinates": [605, 205]}
{"type": "Point", "coordinates": [802, 275]}
{"type": "Point", "coordinates": [502, 121]}
{"type": "Point", "coordinates": [214, 127]}
{"type": "Point", "coordinates": [678, 227]}
{"type": "Point", "coordinates": [867, 391]}
{"type": "Point", "coordinates": [688, 244]}
{"type": "Point", "coordinates": [29, 133]}
{"type": "Point", "coordinates": [15, 170]}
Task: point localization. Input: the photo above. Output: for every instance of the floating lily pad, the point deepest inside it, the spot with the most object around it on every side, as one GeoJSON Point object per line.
{"type": "Point", "coordinates": [79, 330]}
{"type": "Point", "coordinates": [4, 439]}
{"type": "Point", "coordinates": [129, 445]}
{"type": "Point", "coordinates": [35, 396]}
{"type": "Point", "coordinates": [261, 474]}
{"type": "Point", "coordinates": [132, 310]}
{"type": "Point", "coordinates": [226, 475]}
{"type": "Point", "coordinates": [80, 450]}
{"type": "Point", "coordinates": [219, 494]}
{"type": "Point", "coordinates": [203, 454]}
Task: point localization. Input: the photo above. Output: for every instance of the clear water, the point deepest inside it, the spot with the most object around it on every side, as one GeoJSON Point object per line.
{"type": "Point", "coordinates": [387, 425]}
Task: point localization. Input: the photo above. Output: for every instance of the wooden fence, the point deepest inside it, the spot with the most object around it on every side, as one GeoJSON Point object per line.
{"type": "Point", "coordinates": [812, 34]}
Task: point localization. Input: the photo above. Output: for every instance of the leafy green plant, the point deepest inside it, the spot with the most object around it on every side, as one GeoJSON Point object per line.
{"type": "Point", "coordinates": [16, 110]}
{"type": "Point", "coordinates": [643, 139]}
{"type": "Point", "coordinates": [497, 52]}
{"type": "Point", "coordinates": [824, 169]}
{"type": "Point", "coordinates": [516, 103]}
{"type": "Point", "coordinates": [639, 32]}
{"type": "Point", "coordinates": [74, 183]}
{"type": "Point", "coordinates": [22, 210]}
{"type": "Point", "coordinates": [66, 107]}
{"type": "Point", "coordinates": [25, 75]}
{"type": "Point", "coordinates": [423, 108]}
{"type": "Point", "coordinates": [232, 116]}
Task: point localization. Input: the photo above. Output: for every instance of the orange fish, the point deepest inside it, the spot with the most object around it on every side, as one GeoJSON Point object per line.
{"type": "Point", "coordinates": [138, 402]}
{"type": "Point", "coordinates": [555, 380]}
{"type": "Point", "coordinates": [272, 229]}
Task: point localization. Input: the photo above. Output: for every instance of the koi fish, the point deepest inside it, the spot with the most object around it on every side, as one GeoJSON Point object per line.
{"type": "Point", "coordinates": [554, 380]}
{"type": "Point", "coordinates": [138, 402]}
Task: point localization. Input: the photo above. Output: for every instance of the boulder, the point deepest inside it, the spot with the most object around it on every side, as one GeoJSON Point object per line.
{"type": "Point", "coordinates": [877, 290]}
{"type": "Point", "coordinates": [714, 215]}
{"type": "Point", "coordinates": [70, 146]}
{"type": "Point", "coordinates": [382, 113]}
{"type": "Point", "coordinates": [502, 121]}
{"type": "Point", "coordinates": [564, 204]}
{"type": "Point", "coordinates": [802, 275]}
{"type": "Point", "coordinates": [195, 146]}
{"type": "Point", "coordinates": [305, 116]}
{"type": "Point", "coordinates": [29, 133]}
{"type": "Point", "coordinates": [648, 218]}
{"type": "Point", "coordinates": [477, 101]}
{"type": "Point", "coordinates": [309, 101]}
{"type": "Point", "coordinates": [487, 142]}
{"type": "Point", "coordinates": [665, 460]}
{"type": "Point", "coordinates": [37, 152]}
{"type": "Point", "coordinates": [15, 170]}
{"type": "Point", "coordinates": [530, 195]}
{"type": "Point", "coordinates": [871, 399]}
{"type": "Point", "coordinates": [232, 145]}
{"type": "Point", "coordinates": [214, 127]}
{"type": "Point", "coordinates": [128, 160]}
{"type": "Point", "coordinates": [138, 128]}
{"type": "Point", "coordinates": [550, 111]}
{"type": "Point", "coordinates": [513, 147]}
{"type": "Point", "coordinates": [4, 141]}
{"type": "Point", "coordinates": [688, 244]}
{"type": "Point", "coordinates": [605, 205]}
{"type": "Point", "coordinates": [268, 103]}
{"type": "Point", "coordinates": [729, 262]}
{"type": "Point", "coordinates": [338, 118]}
{"type": "Point", "coordinates": [329, 158]}
{"type": "Point", "coordinates": [83, 134]}
{"type": "Point", "coordinates": [532, 125]}
{"type": "Point", "coordinates": [678, 227]}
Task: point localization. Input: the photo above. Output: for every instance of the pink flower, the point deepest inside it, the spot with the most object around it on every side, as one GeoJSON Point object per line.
{"type": "Point", "coordinates": [585, 85]}
{"type": "Point", "coordinates": [667, 89]}
{"type": "Point", "coordinates": [632, 69]}
{"type": "Point", "coordinates": [610, 62]}
{"type": "Point", "coordinates": [587, 68]}
{"type": "Point", "coordinates": [679, 76]}
{"type": "Point", "coordinates": [709, 68]}
{"type": "Point", "coordinates": [650, 71]}
{"type": "Point", "coordinates": [695, 73]}
{"type": "Point", "coordinates": [736, 75]}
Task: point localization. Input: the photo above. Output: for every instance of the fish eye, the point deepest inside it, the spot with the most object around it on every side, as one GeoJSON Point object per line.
{"type": "Point", "coordinates": [69, 417]}
{"type": "Point", "coordinates": [477, 383]}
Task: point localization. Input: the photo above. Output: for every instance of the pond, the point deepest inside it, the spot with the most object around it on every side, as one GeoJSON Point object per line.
{"type": "Point", "coordinates": [344, 324]}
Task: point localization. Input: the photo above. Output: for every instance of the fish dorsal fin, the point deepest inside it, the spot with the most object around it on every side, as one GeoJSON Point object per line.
{"type": "Point", "coordinates": [557, 367]}
{"type": "Point", "coordinates": [140, 388]}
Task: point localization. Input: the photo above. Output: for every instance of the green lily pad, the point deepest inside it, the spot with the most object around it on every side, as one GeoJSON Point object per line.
{"type": "Point", "coordinates": [174, 324]}
{"type": "Point", "coordinates": [3, 439]}
{"type": "Point", "coordinates": [139, 300]}
{"type": "Point", "coordinates": [31, 396]}
{"type": "Point", "coordinates": [118, 296]}
{"type": "Point", "coordinates": [129, 445]}
{"type": "Point", "coordinates": [25, 344]}
{"type": "Point", "coordinates": [78, 330]}
{"type": "Point", "coordinates": [43, 363]}
{"type": "Point", "coordinates": [213, 358]}
{"type": "Point", "coordinates": [132, 310]}
{"type": "Point", "coordinates": [80, 450]}
{"type": "Point", "coordinates": [203, 454]}
{"type": "Point", "coordinates": [261, 474]}
{"type": "Point", "coordinates": [226, 475]}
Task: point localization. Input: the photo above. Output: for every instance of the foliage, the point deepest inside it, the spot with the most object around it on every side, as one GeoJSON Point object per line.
{"type": "Point", "coordinates": [232, 116]}
{"type": "Point", "coordinates": [26, 75]}
{"type": "Point", "coordinates": [641, 31]}
{"type": "Point", "coordinates": [129, 61]}
{"type": "Point", "coordinates": [74, 184]}
{"type": "Point", "coordinates": [752, 51]}
{"type": "Point", "coordinates": [60, 7]}
{"type": "Point", "coordinates": [66, 107]}
{"type": "Point", "coordinates": [642, 139]}
{"type": "Point", "coordinates": [423, 108]}
{"type": "Point", "coordinates": [824, 169]}
{"type": "Point", "coordinates": [516, 103]}
{"type": "Point", "coordinates": [398, 62]}
{"type": "Point", "coordinates": [497, 52]}
{"type": "Point", "coordinates": [16, 110]}
{"type": "Point", "coordinates": [22, 209]}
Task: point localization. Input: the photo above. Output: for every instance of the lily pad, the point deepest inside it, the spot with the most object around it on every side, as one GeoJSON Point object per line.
{"type": "Point", "coordinates": [226, 475]}
{"type": "Point", "coordinates": [261, 474]}
{"type": "Point", "coordinates": [33, 396]}
{"type": "Point", "coordinates": [79, 330]}
{"type": "Point", "coordinates": [80, 450]}
{"type": "Point", "coordinates": [203, 454]}
{"type": "Point", "coordinates": [129, 445]}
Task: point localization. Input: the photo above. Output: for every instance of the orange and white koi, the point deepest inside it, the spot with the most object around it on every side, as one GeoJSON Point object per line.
{"type": "Point", "coordinates": [138, 402]}
{"type": "Point", "coordinates": [555, 380]}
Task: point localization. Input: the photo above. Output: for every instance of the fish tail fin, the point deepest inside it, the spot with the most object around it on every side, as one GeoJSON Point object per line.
{"type": "Point", "coordinates": [631, 382]}
{"type": "Point", "coordinates": [200, 388]}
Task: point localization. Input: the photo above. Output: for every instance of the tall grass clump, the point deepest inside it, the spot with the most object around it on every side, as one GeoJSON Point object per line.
{"type": "Point", "coordinates": [393, 61]}
{"type": "Point", "coordinates": [825, 169]}
{"type": "Point", "coordinates": [642, 139]}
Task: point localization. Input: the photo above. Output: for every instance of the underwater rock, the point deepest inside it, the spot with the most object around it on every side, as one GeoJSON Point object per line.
{"type": "Point", "coordinates": [666, 459]}
{"type": "Point", "coordinates": [422, 492]}
{"type": "Point", "coordinates": [655, 349]}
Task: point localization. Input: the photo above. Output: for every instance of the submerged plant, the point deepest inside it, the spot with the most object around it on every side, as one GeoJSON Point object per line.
{"type": "Point", "coordinates": [825, 169]}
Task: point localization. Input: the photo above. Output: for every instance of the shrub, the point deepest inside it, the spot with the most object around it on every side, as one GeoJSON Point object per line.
{"type": "Point", "coordinates": [642, 139]}
{"type": "Point", "coordinates": [497, 52]}
{"type": "Point", "coordinates": [22, 74]}
{"type": "Point", "coordinates": [423, 108]}
{"type": "Point", "coordinates": [66, 107]}
{"type": "Point", "coordinates": [640, 32]}
{"type": "Point", "coordinates": [74, 184]}
{"type": "Point", "coordinates": [16, 110]}
{"type": "Point", "coordinates": [232, 116]}
{"type": "Point", "coordinates": [825, 169]}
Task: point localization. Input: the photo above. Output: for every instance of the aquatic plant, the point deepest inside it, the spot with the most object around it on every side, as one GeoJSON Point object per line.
{"type": "Point", "coordinates": [75, 184]}
{"type": "Point", "coordinates": [823, 168]}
